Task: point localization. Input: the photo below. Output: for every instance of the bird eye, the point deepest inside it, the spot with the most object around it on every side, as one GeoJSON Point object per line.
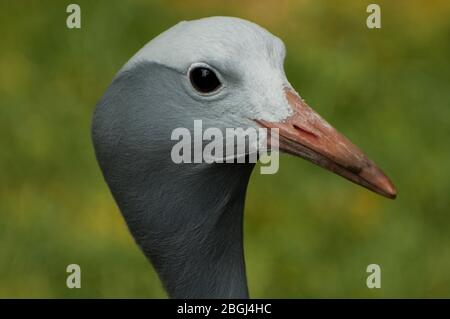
{"type": "Point", "coordinates": [204, 80]}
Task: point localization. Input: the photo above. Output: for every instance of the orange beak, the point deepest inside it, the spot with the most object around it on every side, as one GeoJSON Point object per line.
{"type": "Point", "coordinates": [307, 135]}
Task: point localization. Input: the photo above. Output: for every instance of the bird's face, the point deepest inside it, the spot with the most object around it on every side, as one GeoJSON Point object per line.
{"type": "Point", "coordinates": [231, 72]}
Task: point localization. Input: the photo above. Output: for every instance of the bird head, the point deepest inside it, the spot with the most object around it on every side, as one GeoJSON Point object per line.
{"type": "Point", "coordinates": [228, 72]}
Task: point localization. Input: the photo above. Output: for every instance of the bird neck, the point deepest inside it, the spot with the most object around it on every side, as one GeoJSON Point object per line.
{"type": "Point", "coordinates": [191, 228]}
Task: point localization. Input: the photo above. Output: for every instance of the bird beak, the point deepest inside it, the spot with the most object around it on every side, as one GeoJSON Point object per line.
{"type": "Point", "coordinates": [307, 135]}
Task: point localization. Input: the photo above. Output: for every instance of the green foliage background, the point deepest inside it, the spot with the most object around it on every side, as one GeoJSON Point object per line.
{"type": "Point", "coordinates": [308, 233]}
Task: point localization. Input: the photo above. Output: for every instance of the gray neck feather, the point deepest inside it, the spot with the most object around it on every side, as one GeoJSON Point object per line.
{"type": "Point", "coordinates": [191, 230]}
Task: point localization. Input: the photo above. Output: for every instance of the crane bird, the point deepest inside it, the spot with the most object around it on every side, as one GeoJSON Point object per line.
{"type": "Point", "coordinates": [188, 219]}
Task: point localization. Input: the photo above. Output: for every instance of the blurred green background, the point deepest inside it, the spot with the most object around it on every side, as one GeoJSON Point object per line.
{"type": "Point", "coordinates": [308, 233]}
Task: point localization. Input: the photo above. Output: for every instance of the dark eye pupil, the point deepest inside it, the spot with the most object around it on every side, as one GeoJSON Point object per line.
{"type": "Point", "coordinates": [204, 80]}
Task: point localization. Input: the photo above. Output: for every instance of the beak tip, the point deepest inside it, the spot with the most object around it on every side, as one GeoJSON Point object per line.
{"type": "Point", "coordinates": [379, 182]}
{"type": "Point", "coordinates": [391, 195]}
{"type": "Point", "coordinates": [387, 187]}
{"type": "Point", "coordinates": [391, 191]}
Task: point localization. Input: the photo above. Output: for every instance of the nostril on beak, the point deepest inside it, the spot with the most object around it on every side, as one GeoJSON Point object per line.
{"type": "Point", "coordinates": [304, 132]}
